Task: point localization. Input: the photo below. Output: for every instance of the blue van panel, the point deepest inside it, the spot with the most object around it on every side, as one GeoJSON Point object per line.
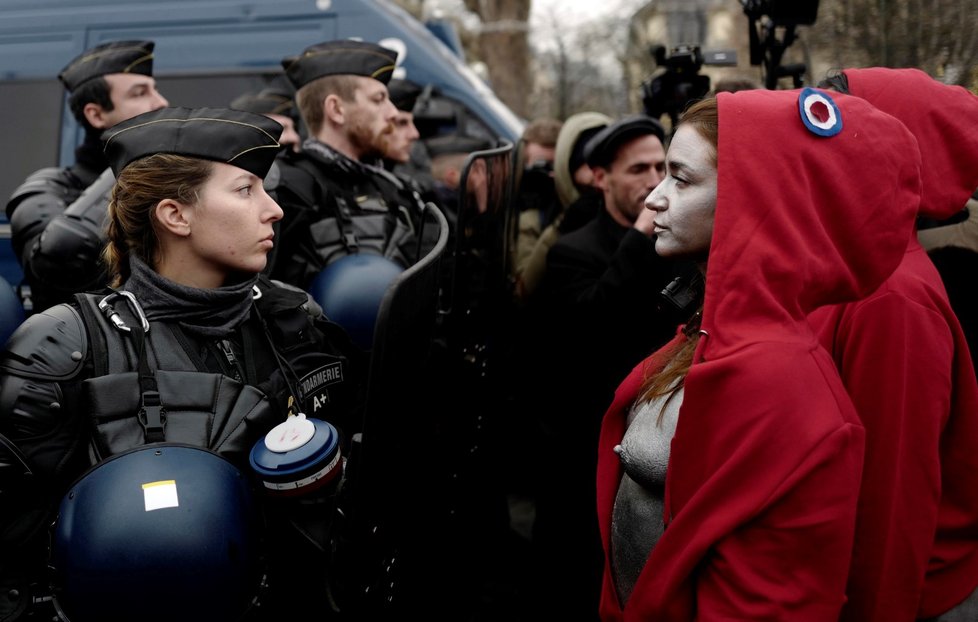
{"type": "Point", "coordinates": [446, 33]}
{"type": "Point", "coordinates": [261, 45]}
{"type": "Point", "coordinates": [228, 35]}
{"type": "Point", "coordinates": [32, 55]}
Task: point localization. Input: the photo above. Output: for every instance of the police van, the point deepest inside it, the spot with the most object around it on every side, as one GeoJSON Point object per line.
{"type": "Point", "coordinates": [207, 53]}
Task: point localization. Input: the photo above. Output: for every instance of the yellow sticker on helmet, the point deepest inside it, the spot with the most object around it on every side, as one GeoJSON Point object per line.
{"type": "Point", "coordinates": [161, 494]}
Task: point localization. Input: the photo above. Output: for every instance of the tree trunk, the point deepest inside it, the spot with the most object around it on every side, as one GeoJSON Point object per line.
{"type": "Point", "coordinates": [934, 35]}
{"type": "Point", "coordinates": [504, 47]}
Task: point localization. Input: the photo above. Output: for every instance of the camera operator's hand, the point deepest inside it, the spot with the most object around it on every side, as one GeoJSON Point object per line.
{"type": "Point", "coordinates": [644, 222]}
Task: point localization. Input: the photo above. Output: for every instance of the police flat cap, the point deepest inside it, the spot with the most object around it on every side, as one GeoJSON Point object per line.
{"type": "Point", "coordinates": [341, 57]}
{"type": "Point", "coordinates": [603, 147]}
{"type": "Point", "coordinates": [112, 57]}
{"type": "Point", "coordinates": [404, 94]}
{"type": "Point", "coordinates": [243, 139]}
{"type": "Point", "coordinates": [266, 101]}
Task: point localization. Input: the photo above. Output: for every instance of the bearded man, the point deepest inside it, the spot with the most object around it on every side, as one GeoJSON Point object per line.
{"type": "Point", "coordinates": [337, 202]}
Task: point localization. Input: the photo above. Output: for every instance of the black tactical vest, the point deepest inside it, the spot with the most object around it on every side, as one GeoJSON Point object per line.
{"type": "Point", "coordinates": [375, 215]}
{"type": "Point", "coordinates": [175, 399]}
{"type": "Point", "coordinates": [190, 406]}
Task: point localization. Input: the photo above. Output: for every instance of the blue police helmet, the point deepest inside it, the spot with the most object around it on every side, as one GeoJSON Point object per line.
{"type": "Point", "coordinates": [11, 311]}
{"type": "Point", "coordinates": [350, 291]}
{"type": "Point", "coordinates": [162, 532]}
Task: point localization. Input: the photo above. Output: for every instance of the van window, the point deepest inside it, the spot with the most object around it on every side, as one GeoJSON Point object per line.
{"type": "Point", "coordinates": [29, 129]}
{"type": "Point", "coordinates": [209, 90]}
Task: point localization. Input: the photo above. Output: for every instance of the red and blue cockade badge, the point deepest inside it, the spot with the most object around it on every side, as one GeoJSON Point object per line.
{"type": "Point", "coordinates": [819, 113]}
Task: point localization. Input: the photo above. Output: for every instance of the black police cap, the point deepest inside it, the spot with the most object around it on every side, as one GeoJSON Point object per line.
{"type": "Point", "coordinates": [404, 94]}
{"type": "Point", "coordinates": [265, 101]}
{"type": "Point", "coordinates": [341, 57]}
{"type": "Point", "coordinates": [112, 57]}
{"type": "Point", "coordinates": [243, 139]}
{"type": "Point", "coordinates": [603, 146]}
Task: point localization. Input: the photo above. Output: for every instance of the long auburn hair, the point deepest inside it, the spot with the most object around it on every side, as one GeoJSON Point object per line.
{"type": "Point", "coordinates": [138, 189]}
{"type": "Point", "coordinates": [703, 117]}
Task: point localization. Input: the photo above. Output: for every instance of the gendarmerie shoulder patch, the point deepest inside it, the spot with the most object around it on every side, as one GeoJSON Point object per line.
{"type": "Point", "coordinates": [819, 113]}
{"type": "Point", "coordinates": [314, 386]}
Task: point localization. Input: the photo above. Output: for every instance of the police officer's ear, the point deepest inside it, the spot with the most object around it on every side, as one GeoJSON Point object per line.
{"type": "Point", "coordinates": [174, 217]}
{"type": "Point", "coordinates": [96, 116]}
{"type": "Point", "coordinates": [334, 109]}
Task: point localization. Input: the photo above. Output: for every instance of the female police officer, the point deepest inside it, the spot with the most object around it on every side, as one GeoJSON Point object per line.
{"type": "Point", "coordinates": [192, 347]}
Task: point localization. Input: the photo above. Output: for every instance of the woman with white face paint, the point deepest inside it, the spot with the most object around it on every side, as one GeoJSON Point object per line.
{"type": "Point", "coordinates": [686, 199]}
{"type": "Point", "coordinates": [729, 461]}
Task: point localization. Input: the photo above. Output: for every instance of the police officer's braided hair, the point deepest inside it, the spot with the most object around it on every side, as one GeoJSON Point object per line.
{"type": "Point", "coordinates": [139, 188]}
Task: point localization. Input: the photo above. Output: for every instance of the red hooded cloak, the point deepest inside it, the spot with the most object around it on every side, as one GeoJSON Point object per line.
{"type": "Point", "coordinates": [905, 363]}
{"type": "Point", "coordinates": [763, 477]}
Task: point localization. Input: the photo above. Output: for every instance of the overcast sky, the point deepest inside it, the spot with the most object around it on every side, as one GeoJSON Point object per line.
{"type": "Point", "coordinates": [570, 13]}
{"type": "Point", "coordinates": [573, 15]}
{"type": "Point", "coordinates": [576, 12]}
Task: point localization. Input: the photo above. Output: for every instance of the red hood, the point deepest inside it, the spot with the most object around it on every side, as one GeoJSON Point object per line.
{"type": "Point", "coordinates": [767, 455]}
{"type": "Point", "coordinates": [796, 213]}
{"type": "Point", "coordinates": [943, 118]}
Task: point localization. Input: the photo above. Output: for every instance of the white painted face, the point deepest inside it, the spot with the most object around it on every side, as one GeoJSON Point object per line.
{"type": "Point", "coordinates": [686, 200]}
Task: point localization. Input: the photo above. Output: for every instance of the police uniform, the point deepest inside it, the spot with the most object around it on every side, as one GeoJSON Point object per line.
{"type": "Point", "coordinates": [415, 173]}
{"type": "Point", "coordinates": [157, 361]}
{"type": "Point", "coordinates": [59, 246]}
{"type": "Point", "coordinates": [335, 206]}
{"type": "Point", "coordinates": [404, 94]}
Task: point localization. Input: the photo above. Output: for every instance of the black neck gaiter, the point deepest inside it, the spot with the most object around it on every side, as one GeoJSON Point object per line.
{"type": "Point", "coordinates": [209, 313]}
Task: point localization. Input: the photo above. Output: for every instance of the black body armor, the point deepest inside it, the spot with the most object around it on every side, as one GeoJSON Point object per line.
{"type": "Point", "coordinates": [81, 383]}
{"type": "Point", "coordinates": [336, 207]}
{"type": "Point", "coordinates": [57, 219]}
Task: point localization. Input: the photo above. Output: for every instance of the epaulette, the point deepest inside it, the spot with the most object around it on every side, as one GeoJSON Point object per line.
{"type": "Point", "coordinates": [51, 345]}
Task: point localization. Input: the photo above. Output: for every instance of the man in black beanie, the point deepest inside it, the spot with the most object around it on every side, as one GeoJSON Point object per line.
{"type": "Point", "coordinates": [57, 243]}
{"type": "Point", "coordinates": [337, 202]}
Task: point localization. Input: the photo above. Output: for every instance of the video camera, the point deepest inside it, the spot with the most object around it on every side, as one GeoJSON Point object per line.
{"type": "Point", "coordinates": [765, 19]}
{"type": "Point", "coordinates": [799, 12]}
{"type": "Point", "coordinates": [678, 82]}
